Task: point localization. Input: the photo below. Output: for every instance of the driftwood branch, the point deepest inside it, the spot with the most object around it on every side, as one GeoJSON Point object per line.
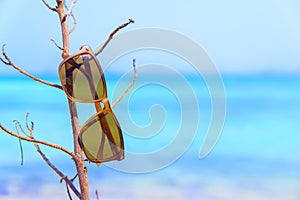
{"type": "Point", "coordinates": [111, 35]}
{"type": "Point", "coordinates": [128, 87]}
{"type": "Point", "coordinates": [8, 62]}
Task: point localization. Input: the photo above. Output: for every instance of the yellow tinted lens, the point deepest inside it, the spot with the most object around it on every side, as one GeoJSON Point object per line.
{"type": "Point", "coordinates": [101, 138]}
{"type": "Point", "coordinates": [82, 78]}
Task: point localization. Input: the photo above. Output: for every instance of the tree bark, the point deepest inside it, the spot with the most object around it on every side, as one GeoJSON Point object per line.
{"type": "Point", "coordinates": [78, 157]}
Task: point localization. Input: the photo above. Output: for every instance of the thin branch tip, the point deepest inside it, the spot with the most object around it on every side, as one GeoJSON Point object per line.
{"type": "Point", "coordinates": [33, 140]}
{"type": "Point", "coordinates": [8, 62]}
{"type": "Point", "coordinates": [129, 86]}
{"type": "Point", "coordinates": [55, 43]}
{"type": "Point", "coordinates": [70, 12]}
{"type": "Point", "coordinates": [49, 7]}
{"type": "Point", "coordinates": [97, 194]}
{"type": "Point", "coordinates": [111, 35]}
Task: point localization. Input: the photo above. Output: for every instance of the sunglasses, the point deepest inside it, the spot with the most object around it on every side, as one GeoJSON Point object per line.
{"type": "Point", "coordinates": [83, 81]}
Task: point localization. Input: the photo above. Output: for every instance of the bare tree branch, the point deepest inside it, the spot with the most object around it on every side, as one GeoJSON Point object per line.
{"type": "Point", "coordinates": [36, 141]}
{"type": "Point", "coordinates": [59, 47]}
{"type": "Point", "coordinates": [29, 128]}
{"type": "Point", "coordinates": [68, 191]}
{"type": "Point", "coordinates": [48, 6]}
{"type": "Point", "coordinates": [78, 157]}
{"type": "Point", "coordinates": [112, 35]}
{"type": "Point", "coordinates": [97, 194]}
{"type": "Point", "coordinates": [19, 125]}
{"type": "Point", "coordinates": [58, 172]}
{"type": "Point", "coordinates": [70, 12]}
{"type": "Point", "coordinates": [20, 143]}
{"type": "Point", "coordinates": [10, 63]}
{"type": "Point", "coordinates": [71, 7]}
{"type": "Point", "coordinates": [74, 23]}
{"type": "Point", "coordinates": [128, 87]}
{"type": "Point", "coordinates": [31, 139]}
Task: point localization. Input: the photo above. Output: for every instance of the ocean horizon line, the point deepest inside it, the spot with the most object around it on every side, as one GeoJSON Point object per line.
{"type": "Point", "coordinates": [113, 75]}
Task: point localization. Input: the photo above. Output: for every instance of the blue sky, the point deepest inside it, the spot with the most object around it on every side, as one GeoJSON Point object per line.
{"type": "Point", "coordinates": [239, 36]}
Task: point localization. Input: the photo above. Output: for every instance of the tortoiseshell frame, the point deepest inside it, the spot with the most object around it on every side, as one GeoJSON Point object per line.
{"type": "Point", "coordinates": [101, 112]}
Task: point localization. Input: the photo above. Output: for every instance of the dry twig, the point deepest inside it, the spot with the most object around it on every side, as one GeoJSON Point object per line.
{"type": "Point", "coordinates": [48, 6]}
{"type": "Point", "coordinates": [68, 191]}
{"type": "Point", "coordinates": [77, 155]}
{"type": "Point", "coordinates": [70, 12]}
{"type": "Point", "coordinates": [59, 47]}
{"type": "Point", "coordinates": [29, 139]}
{"type": "Point", "coordinates": [20, 142]}
{"type": "Point", "coordinates": [128, 87]}
{"type": "Point", "coordinates": [74, 23]}
{"type": "Point", "coordinates": [97, 194]}
{"type": "Point", "coordinates": [59, 173]}
{"type": "Point", "coordinates": [8, 62]}
{"type": "Point", "coordinates": [71, 7]}
{"type": "Point", "coordinates": [112, 35]}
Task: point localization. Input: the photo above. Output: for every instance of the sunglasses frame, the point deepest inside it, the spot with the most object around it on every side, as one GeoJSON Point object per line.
{"type": "Point", "coordinates": [101, 112]}
{"type": "Point", "coordinates": [120, 155]}
{"type": "Point", "coordinates": [84, 50]}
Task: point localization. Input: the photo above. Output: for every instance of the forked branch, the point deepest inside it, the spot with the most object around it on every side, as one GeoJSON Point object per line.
{"type": "Point", "coordinates": [30, 138]}
{"type": "Point", "coordinates": [8, 62]}
{"type": "Point", "coordinates": [78, 157]}
{"type": "Point", "coordinates": [70, 13]}
{"type": "Point", "coordinates": [77, 154]}
{"type": "Point", "coordinates": [59, 173]}
{"type": "Point", "coordinates": [69, 183]}
{"type": "Point", "coordinates": [74, 23]}
{"type": "Point", "coordinates": [70, 8]}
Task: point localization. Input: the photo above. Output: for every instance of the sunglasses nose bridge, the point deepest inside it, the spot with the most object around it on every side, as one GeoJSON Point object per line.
{"type": "Point", "coordinates": [106, 103]}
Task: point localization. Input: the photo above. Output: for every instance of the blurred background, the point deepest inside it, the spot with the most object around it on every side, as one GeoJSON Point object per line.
{"type": "Point", "coordinates": [255, 46]}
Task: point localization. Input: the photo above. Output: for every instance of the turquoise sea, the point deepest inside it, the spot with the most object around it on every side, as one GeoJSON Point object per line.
{"type": "Point", "coordinates": [256, 157]}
